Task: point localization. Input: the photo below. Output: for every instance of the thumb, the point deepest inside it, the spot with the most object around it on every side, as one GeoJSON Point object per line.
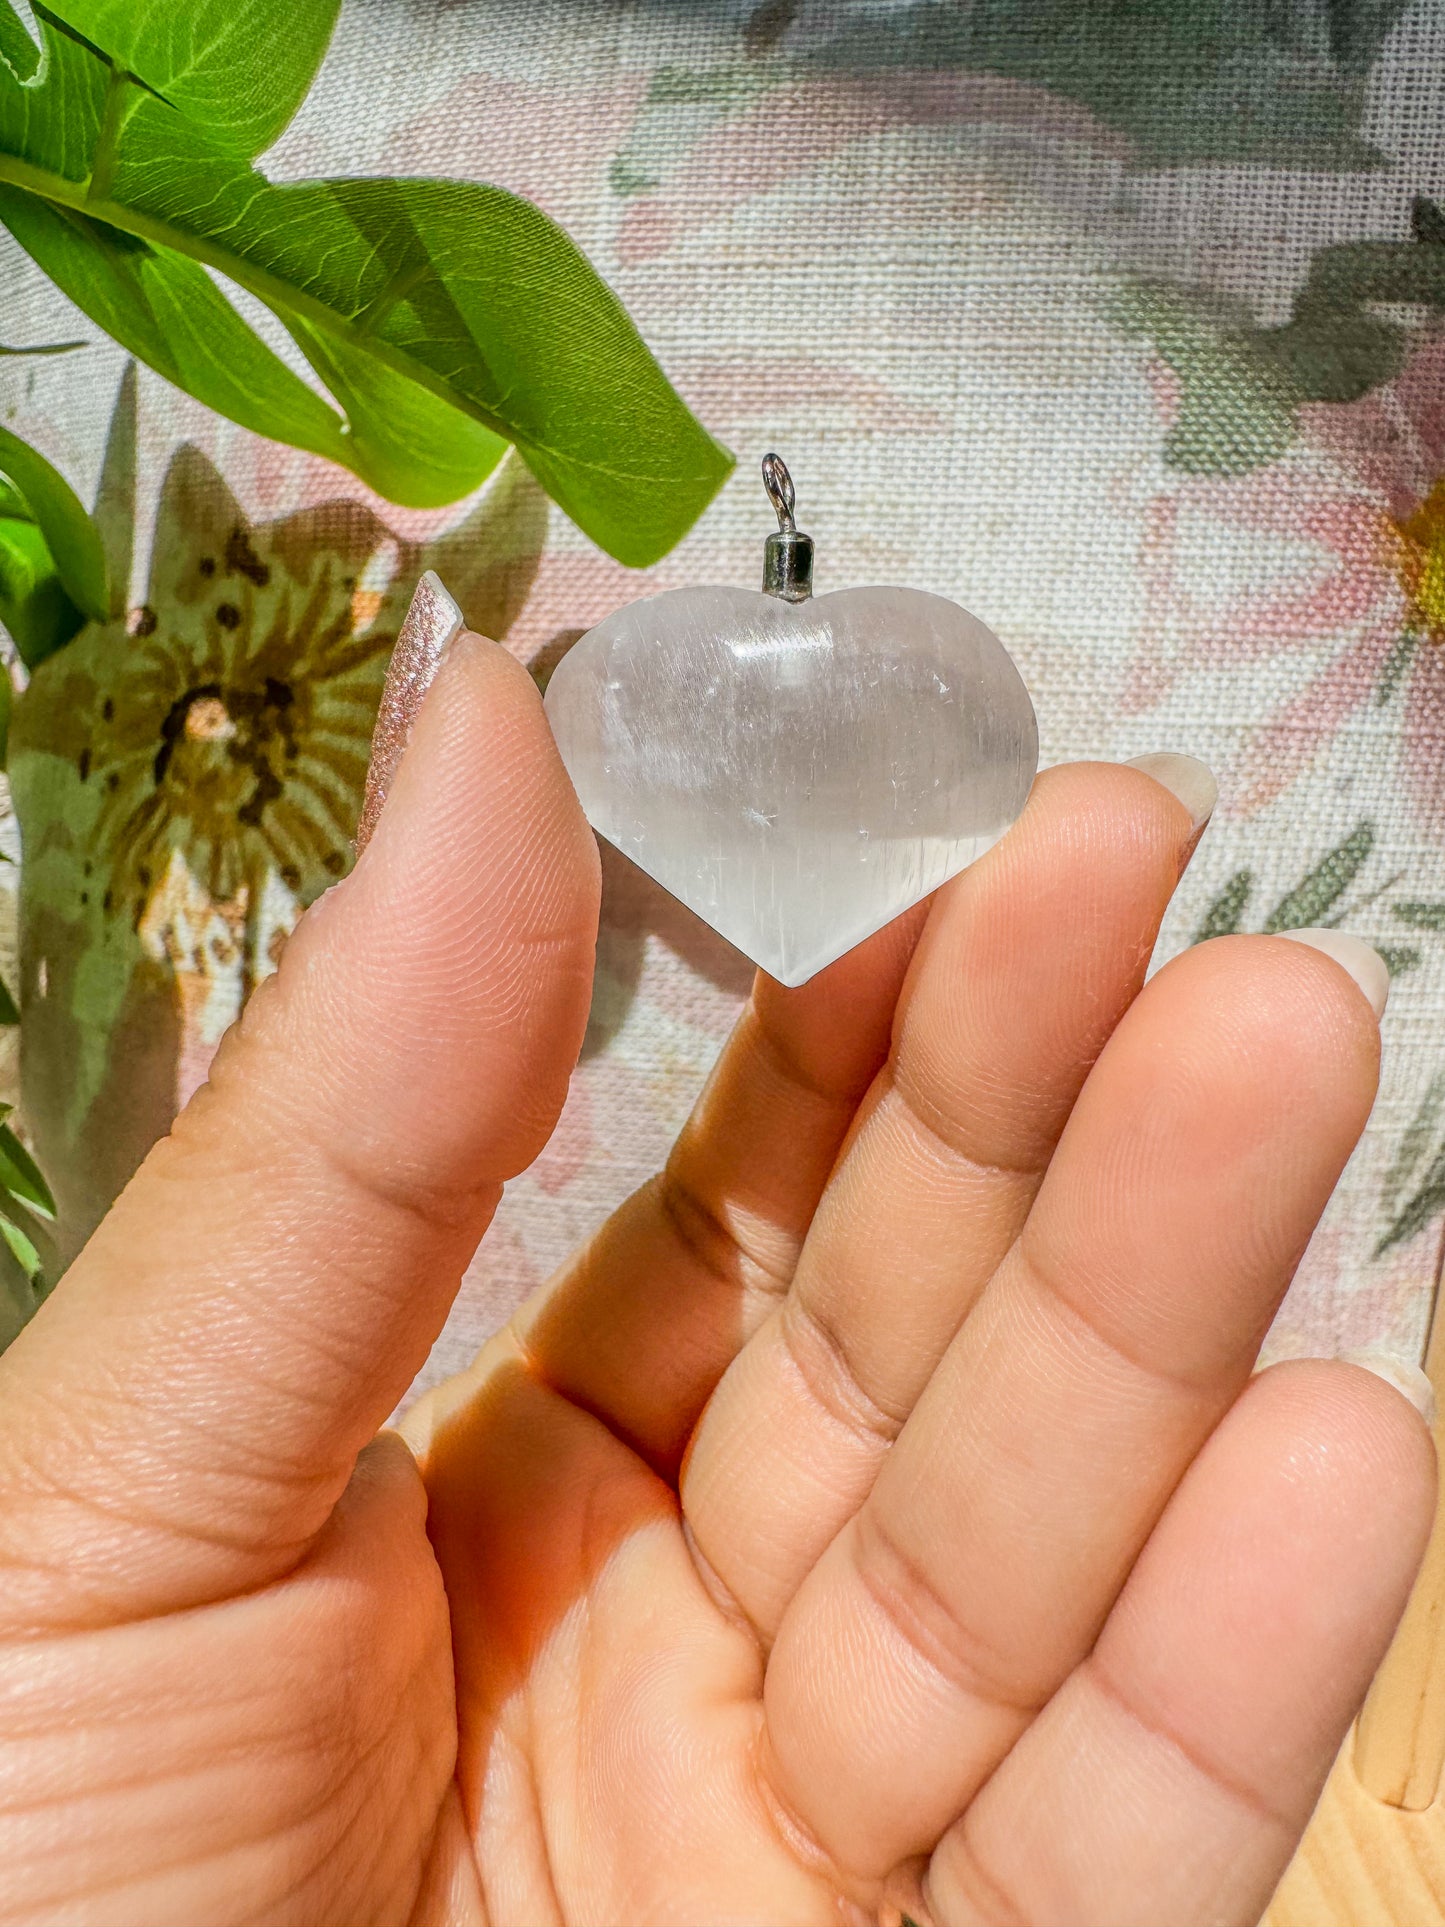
{"type": "Point", "coordinates": [180, 1417]}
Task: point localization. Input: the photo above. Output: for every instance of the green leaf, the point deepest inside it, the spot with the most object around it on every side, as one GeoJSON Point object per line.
{"type": "Point", "coordinates": [20, 1175]}
{"type": "Point", "coordinates": [60, 515]}
{"type": "Point", "coordinates": [475, 296]}
{"type": "Point", "coordinates": [421, 301]}
{"type": "Point", "coordinates": [9, 1009]}
{"type": "Point", "coordinates": [167, 310]}
{"type": "Point", "coordinates": [21, 1246]}
{"type": "Point", "coordinates": [1222, 917]}
{"type": "Point", "coordinates": [408, 444]}
{"type": "Point", "coordinates": [1317, 893]}
{"type": "Point", "coordinates": [33, 605]}
{"type": "Point", "coordinates": [239, 67]}
{"type": "Point", "coordinates": [16, 46]}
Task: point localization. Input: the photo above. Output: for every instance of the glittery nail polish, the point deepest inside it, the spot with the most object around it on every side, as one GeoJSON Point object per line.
{"type": "Point", "coordinates": [432, 623]}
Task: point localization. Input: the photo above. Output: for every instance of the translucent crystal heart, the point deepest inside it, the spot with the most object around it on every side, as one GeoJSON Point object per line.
{"type": "Point", "coordinates": [797, 773]}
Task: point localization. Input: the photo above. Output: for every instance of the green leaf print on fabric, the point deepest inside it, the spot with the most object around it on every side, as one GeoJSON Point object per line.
{"type": "Point", "coordinates": [1222, 918]}
{"type": "Point", "coordinates": [1421, 916]}
{"type": "Point", "coordinates": [1427, 1200]}
{"type": "Point", "coordinates": [1316, 894]}
{"type": "Point", "coordinates": [1255, 84]}
{"type": "Point", "coordinates": [1241, 384]}
{"type": "Point", "coordinates": [1186, 80]}
{"type": "Point", "coordinates": [1236, 407]}
{"type": "Point", "coordinates": [1329, 895]}
{"type": "Point", "coordinates": [1316, 899]}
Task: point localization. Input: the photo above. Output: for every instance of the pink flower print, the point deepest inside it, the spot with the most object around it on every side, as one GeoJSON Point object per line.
{"type": "Point", "coordinates": [1361, 493]}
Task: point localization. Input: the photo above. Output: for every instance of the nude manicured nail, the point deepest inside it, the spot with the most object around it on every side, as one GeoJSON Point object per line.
{"type": "Point", "coordinates": [1406, 1377]}
{"type": "Point", "coordinates": [1355, 958]}
{"type": "Point", "coordinates": [433, 622]}
{"type": "Point", "coordinates": [1185, 777]}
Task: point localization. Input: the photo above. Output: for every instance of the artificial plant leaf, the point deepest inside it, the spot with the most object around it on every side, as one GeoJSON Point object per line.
{"type": "Point", "coordinates": [240, 67]}
{"type": "Point", "coordinates": [17, 49]}
{"type": "Point", "coordinates": [457, 289]}
{"type": "Point", "coordinates": [34, 607]}
{"type": "Point", "coordinates": [21, 1246]}
{"type": "Point", "coordinates": [167, 311]}
{"type": "Point", "coordinates": [61, 517]}
{"type": "Point", "coordinates": [20, 1175]}
{"type": "Point", "coordinates": [408, 444]}
{"type": "Point", "coordinates": [468, 291]}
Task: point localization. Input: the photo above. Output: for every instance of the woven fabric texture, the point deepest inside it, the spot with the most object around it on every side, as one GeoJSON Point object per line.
{"type": "Point", "coordinates": [1122, 326]}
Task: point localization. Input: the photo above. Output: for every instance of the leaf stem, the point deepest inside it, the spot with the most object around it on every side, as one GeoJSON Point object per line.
{"type": "Point", "coordinates": [107, 141]}
{"type": "Point", "coordinates": [397, 288]}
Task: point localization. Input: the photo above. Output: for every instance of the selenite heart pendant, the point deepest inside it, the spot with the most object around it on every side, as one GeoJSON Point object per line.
{"type": "Point", "coordinates": [798, 772]}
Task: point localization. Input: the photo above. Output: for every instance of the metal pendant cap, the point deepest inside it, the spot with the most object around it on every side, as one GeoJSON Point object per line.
{"type": "Point", "coordinates": [788, 555]}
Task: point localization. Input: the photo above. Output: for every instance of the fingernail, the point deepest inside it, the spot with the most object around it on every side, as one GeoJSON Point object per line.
{"type": "Point", "coordinates": [1402, 1373]}
{"type": "Point", "coordinates": [1185, 777]}
{"type": "Point", "coordinates": [1355, 958]}
{"type": "Point", "coordinates": [432, 623]}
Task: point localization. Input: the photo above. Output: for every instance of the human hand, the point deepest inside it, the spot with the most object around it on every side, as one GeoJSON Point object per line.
{"type": "Point", "coordinates": [877, 1516]}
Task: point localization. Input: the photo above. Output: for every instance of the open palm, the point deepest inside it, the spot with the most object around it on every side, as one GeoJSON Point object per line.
{"type": "Point", "coordinates": [877, 1517]}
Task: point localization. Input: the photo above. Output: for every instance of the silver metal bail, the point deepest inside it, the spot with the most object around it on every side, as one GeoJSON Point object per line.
{"type": "Point", "coordinates": [788, 555]}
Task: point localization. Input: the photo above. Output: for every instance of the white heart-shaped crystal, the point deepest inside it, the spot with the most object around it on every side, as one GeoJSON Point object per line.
{"type": "Point", "coordinates": [797, 773]}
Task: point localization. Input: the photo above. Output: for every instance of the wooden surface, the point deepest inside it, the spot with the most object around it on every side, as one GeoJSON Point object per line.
{"type": "Point", "coordinates": [1364, 1863]}
{"type": "Point", "coordinates": [1374, 1854]}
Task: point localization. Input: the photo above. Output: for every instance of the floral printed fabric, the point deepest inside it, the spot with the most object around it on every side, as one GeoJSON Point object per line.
{"type": "Point", "coordinates": [1122, 325]}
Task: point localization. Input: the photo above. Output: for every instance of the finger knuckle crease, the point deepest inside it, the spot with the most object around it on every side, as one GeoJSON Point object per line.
{"type": "Point", "coordinates": [952, 1136]}
{"type": "Point", "coordinates": [785, 1060]}
{"type": "Point", "coordinates": [1250, 1797]}
{"type": "Point", "coordinates": [713, 1243]}
{"type": "Point", "coordinates": [821, 1361]}
{"type": "Point", "coordinates": [1068, 1304]}
{"type": "Point", "coordinates": [912, 1603]}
